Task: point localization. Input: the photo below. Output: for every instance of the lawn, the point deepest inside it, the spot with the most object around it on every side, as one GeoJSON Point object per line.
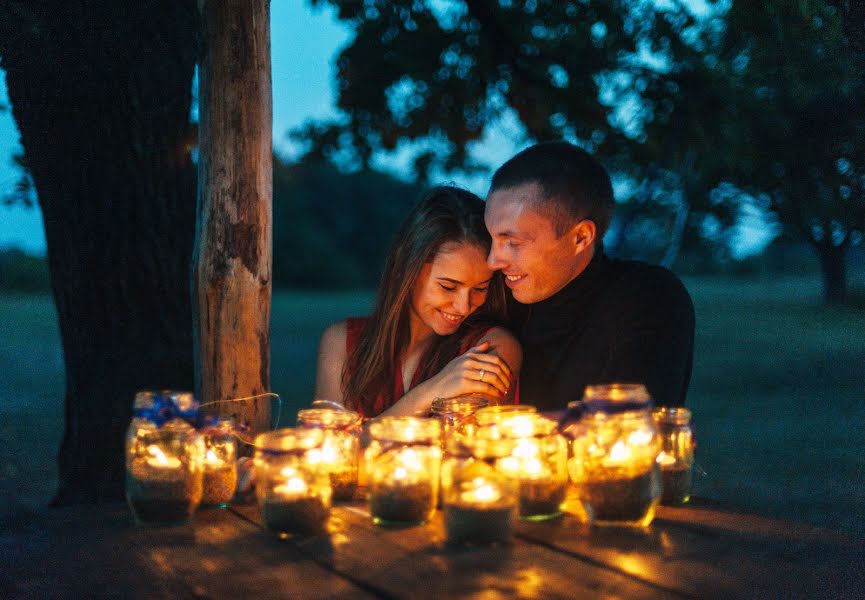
{"type": "Point", "coordinates": [778, 393]}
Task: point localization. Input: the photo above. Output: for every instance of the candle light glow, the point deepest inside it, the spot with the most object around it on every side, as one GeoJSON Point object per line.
{"type": "Point", "coordinates": [158, 459]}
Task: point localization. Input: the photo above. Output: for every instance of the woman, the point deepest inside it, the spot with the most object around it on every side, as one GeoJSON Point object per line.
{"type": "Point", "coordinates": [432, 330]}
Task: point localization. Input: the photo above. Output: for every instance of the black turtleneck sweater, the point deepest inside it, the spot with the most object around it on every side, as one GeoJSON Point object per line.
{"type": "Point", "coordinates": [618, 321]}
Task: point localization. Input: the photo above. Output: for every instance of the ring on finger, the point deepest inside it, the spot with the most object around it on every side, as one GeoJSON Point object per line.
{"type": "Point", "coordinates": [481, 375]}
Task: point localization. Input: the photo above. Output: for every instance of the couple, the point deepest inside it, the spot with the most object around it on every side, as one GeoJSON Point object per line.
{"type": "Point", "coordinates": [444, 325]}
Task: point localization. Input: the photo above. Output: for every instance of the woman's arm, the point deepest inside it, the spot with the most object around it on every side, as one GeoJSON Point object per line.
{"type": "Point", "coordinates": [331, 360]}
{"type": "Point", "coordinates": [498, 354]}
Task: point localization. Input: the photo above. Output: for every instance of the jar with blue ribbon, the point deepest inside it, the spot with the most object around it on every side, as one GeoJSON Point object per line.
{"type": "Point", "coordinates": [613, 451]}
{"type": "Point", "coordinates": [164, 458]}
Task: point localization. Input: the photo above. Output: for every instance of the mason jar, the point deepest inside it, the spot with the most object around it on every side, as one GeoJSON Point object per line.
{"type": "Point", "coordinates": [220, 461]}
{"type": "Point", "coordinates": [676, 459]}
{"type": "Point", "coordinates": [613, 459]}
{"type": "Point", "coordinates": [479, 500]}
{"type": "Point", "coordinates": [538, 458]}
{"type": "Point", "coordinates": [403, 461]}
{"type": "Point", "coordinates": [164, 463]}
{"type": "Point", "coordinates": [341, 446]}
{"type": "Point", "coordinates": [456, 413]}
{"type": "Point", "coordinates": [293, 491]}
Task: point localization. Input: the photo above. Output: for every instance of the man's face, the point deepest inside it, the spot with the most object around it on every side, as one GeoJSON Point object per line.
{"type": "Point", "coordinates": [536, 263]}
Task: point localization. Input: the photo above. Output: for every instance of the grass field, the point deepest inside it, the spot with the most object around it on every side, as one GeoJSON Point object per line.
{"type": "Point", "coordinates": [778, 393]}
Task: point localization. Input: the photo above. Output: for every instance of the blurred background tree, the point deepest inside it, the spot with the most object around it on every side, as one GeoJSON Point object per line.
{"type": "Point", "coordinates": [798, 70]}
{"type": "Point", "coordinates": [676, 100]}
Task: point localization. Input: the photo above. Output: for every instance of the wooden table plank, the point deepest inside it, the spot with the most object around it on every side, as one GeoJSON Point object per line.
{"type": "Point", "coordinates": [85, 552]}
{"type": "Point", "coordinates": [707, 553]}
{"type": "Point", "coordinates": [415, 562]}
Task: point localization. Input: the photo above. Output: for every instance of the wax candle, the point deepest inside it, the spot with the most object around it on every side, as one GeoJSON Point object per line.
{"type": "Point", "coordinates": [676, 460]}
{"type": "Point", "coordinates": [538, 460]}
{"type": "Point", "coordinates": [402, 464]}
{"type": "Point", "coordinates": [293, 491]}
{"type": "Point", "coordinates": [479, 501]}
{"type": "Point", "coordinates": [340, 449]}
{"type": "Point", "coordinates": [613, 456]}
{"type": "Point", "coordinates": [164, 471]}
{"type": "Point", "coordinates": [220, 463]}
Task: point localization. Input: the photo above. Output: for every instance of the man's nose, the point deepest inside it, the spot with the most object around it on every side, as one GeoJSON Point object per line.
{"type": "Point", "coordinates": [495, 260]}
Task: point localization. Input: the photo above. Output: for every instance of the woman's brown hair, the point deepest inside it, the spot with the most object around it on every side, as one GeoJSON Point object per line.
{"type": "Point", "coordinates": [445, 214]}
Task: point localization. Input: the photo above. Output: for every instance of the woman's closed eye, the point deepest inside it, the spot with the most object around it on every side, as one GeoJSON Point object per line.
{"type": "Point", "coordinates": [449, 288]}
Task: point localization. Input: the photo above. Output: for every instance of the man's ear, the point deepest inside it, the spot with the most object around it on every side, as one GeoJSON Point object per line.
{"type": "Point", "coordinates": [583, 235]}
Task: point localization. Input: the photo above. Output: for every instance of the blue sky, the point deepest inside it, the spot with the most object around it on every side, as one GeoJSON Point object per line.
{"type": "Point", "coordinates": [304, 42]}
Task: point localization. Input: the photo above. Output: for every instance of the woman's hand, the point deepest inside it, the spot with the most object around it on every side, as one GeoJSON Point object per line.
{"type": "Point", "coordinates": [477, 371]}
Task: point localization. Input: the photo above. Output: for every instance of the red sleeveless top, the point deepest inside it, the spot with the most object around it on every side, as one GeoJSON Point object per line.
{"type": "Point", "coordinates": [354, 328]}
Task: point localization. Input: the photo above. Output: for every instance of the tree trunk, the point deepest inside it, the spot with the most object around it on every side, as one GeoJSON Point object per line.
{"type": "Point", "coordinates": [101, 94]}
{"type": "Point", "coordinates": [232, 265]}
{"type": "Point", "coordinates": [833, 267]}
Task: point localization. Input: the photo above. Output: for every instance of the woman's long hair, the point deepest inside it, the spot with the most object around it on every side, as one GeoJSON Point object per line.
{"type": "Point", "coordinates": [445, 214]}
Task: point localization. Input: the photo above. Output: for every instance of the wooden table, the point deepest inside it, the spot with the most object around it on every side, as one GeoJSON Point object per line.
{"type": "Point", "coordinates": [695, 551]}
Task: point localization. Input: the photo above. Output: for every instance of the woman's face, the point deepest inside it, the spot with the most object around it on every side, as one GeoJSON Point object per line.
{"type": "Point", "coordinates": [451, 287]}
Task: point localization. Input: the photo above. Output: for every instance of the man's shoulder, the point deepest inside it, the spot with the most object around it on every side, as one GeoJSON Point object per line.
{"type": "Point", "coordinates": [642, 277]}
{"type": "Point", "coordinates": [639, 290]}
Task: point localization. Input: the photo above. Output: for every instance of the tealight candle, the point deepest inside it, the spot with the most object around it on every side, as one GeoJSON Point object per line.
{"type": "Point", "coordinates": [220, 463]}
{"type": "Point", "coordinates": [294, 493]}
{"type": "Point", "coordinates": [164, 470]}
{"type": "Point", "coordinates": [340, 449]}
{"type": "Point", "coordinates": [538, 459]}
{"type": "Point", "coordinates": [676, 459]}
{"type": "Point", "coordinates": [614, 452]}
{"type": "Point", "coordinates": [479, 501]}
{"type": "Point", "coordinates": [402, 465]}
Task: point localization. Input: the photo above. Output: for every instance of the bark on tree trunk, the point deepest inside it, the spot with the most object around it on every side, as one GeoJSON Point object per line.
{"type": "Point", "coordinates": [232, 272]}
{"type": "Point", "coordinates": [833, 267]}
{"type": "Point", "coordinates": [101, 94]}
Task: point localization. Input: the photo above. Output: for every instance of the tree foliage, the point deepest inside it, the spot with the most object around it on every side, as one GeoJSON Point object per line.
{"type": "Point", "coordinates": [798, 67]}
{"type": "Point", "coordinates": [437, 73]}
{"type": "Point", "coordinates": [333, 229]}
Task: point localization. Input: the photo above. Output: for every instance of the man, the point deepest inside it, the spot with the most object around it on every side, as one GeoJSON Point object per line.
{"type": "Point", "coordinates": [582, 317]}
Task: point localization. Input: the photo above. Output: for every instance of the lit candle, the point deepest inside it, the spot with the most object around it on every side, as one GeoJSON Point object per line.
{"type": "Point", "coordinates": [666, 460]}
{"type": "Point", "coordinates": [293, 488]}
{"type": "Point", "coordinates": [159, 460]}
{"type": "Point", "coordinates": [483, 492]}
{"type": "Point", "coordinates": [403, 461]}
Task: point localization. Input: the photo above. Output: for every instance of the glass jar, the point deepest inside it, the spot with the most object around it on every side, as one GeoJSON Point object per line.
{"type": "Point", "coordinates": [340, 448]}
{"type": "Point", "coordinates": [456, 413]}
{"type": "Point", "coordinates": [538, 459]}
{"type": "Point", "coordinates": [220, 462]}
{"type": "Point", "coordinates": [293, 492]}
{"type": "Point", "coordinates": [403, 461]}
{"type": "Point", "coordinates": [676, 459]}
{"type": "Point", "coordinates": [164, 463]}
{"type": "Point", "coordinates": [480, 500]}
{"type": "Point", "coordinates": [613, 455]}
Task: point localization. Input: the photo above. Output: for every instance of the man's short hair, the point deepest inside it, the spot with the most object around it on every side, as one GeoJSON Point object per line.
{"type": "Point", "coordinates": [575, 186]}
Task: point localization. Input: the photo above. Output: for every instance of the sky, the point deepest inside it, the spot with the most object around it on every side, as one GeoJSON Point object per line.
{"type": "Point", "coordinates": [304, 44]}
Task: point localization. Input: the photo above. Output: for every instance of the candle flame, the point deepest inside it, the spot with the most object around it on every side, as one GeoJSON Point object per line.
{"type": "Point", "coordinates": [666, 459]}
{"type": "Point", "coordinates": [294, 486]}
{"type": "Point", "coordinates": [400, 473]}
{"type": "Point", "coordinates": [211, 457]}
{"type": "Point", "coordinates": [641, 437]}
{"type": "Point", "coordinates": [526, 449]}
{"type": "Point", "coordinates": [482, 492]}
{"type": "Point", "coordinates": [158, 458]}
{"type": "Point", "coordinates": [521, 426]}
{"type": "Point", "coordinates": [620, 452]}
